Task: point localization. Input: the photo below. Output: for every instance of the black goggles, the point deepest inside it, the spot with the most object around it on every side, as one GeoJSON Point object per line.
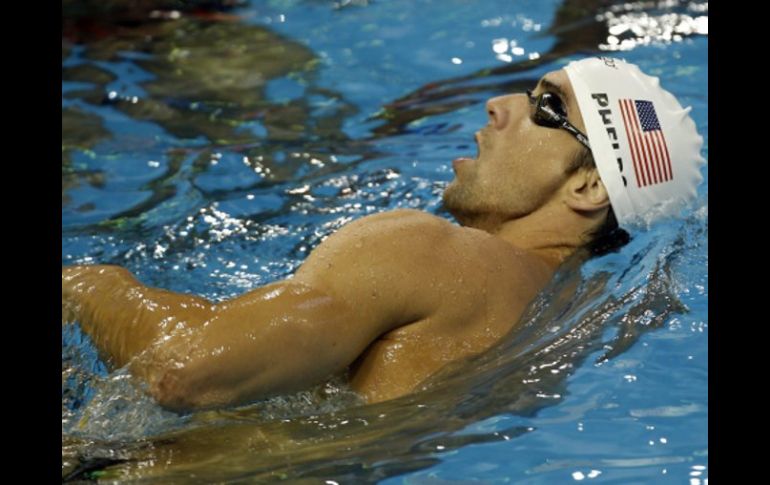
{"type": "Point", "coordinates": [549, 112]}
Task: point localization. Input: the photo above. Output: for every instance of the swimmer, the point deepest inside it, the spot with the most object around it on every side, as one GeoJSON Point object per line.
{"type": "Point", "coordinates": [392, 298]}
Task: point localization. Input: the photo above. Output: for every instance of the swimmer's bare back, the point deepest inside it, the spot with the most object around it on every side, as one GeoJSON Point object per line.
{"type": "Point", "coordinates": [393, 297]}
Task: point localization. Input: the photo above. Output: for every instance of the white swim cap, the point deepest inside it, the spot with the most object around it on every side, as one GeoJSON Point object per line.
{"type": "Point", "coordinates": [645, 145]}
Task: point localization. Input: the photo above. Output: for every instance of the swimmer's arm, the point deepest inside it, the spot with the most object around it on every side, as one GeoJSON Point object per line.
{"type": "Point", "coordinates": [194, 354]}
{"type": "Point", "coordinates": [296, 333]}
{"type": "Point", "coordinates": [121, 315]}
{"type": "Point", "coordinates": [277, 339]}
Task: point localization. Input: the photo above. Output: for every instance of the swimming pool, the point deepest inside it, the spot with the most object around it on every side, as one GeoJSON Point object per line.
{"type": "Point", "coordinates": [211, 152]}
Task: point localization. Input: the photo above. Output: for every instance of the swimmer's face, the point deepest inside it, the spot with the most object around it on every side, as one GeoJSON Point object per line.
{"type": "Point", "coordinates": [521, 165]}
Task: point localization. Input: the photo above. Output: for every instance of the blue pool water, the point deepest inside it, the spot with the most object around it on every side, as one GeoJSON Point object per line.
{"type": "Point", "coordinates": [210, 153]}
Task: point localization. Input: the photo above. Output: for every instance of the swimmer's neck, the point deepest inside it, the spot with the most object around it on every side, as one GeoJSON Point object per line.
{"type": "Point", "coordinates": [551, 234]}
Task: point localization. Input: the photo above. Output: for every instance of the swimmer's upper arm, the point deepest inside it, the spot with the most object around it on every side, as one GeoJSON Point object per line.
{"type": "Point", "coordinates": [279, 338]}
{"type": "Point", "coordinates": [357, 285]}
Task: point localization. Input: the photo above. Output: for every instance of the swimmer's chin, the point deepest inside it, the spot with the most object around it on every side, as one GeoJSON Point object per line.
{"type": "Point", "coordinates": [461, 162]}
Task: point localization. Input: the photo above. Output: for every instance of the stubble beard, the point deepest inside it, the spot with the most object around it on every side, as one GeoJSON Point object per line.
{"type": "Point", "coordinates": [467, 207]}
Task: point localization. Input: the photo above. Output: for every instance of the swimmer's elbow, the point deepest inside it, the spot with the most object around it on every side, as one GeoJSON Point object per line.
{"type": "Point", "coordinates": [170, 392]}
{"type": "Point", "coordinates": [177, 391]}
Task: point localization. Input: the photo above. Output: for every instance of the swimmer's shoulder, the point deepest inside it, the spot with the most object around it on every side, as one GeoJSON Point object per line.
{"type": "Point", "coordinates": [411, 238]}
{"type": "Point", "coordinates": [421, 226]}
{"type": "Point", "coordinates": [383, 230]}
{"type": "Point", "coordinates": [409, 219]}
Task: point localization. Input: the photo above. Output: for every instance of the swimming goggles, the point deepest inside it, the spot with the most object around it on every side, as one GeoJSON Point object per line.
{"type": "Point", "coordinates": [549, 112]}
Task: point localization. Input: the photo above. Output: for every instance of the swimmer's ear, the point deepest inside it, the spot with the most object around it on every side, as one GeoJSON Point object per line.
{"type": "Point", "coordinates": [586, 191]}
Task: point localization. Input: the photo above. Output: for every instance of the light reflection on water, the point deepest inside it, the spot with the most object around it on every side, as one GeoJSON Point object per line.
{"type": "Point", "coordinates": [214, 192]}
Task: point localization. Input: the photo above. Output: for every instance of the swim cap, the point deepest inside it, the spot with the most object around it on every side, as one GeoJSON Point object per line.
{"type": "Point", "coordinates": [645, 145]}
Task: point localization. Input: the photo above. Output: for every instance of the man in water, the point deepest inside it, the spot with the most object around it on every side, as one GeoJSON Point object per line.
{"type": "Point", "coordinates": [393, 297]}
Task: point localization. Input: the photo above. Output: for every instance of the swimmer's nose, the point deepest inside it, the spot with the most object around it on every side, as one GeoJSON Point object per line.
{"type": "Point", "coordinates": [499, 110]}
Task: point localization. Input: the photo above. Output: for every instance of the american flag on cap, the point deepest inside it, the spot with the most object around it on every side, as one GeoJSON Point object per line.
{"type": "Point", "coordinates": [647, 144]}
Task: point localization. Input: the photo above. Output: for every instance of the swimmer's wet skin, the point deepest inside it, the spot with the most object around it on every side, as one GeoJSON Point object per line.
{"type": "Point", "coordinates": [399, 293]}
{"type": "Point", "coordinates": [393, 297]}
